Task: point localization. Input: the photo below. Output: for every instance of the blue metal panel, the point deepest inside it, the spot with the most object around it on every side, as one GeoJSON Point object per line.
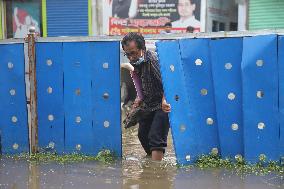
{"type": "Point", "coordinates": [226, 57]}
{"type": "Point", "coordinates": [199, 86]}
{"type": "Point", "coordinates": [260, 97]}
{"type": "Point", "coordinates": [105, 76]}
{"type": "Point", "coordinates": [50, 96]}
{"type": "Point", "coordinates": [13, 109]}
{"type": "Point", "coordinates": [72, 80]}
{"type": "Point", "coordinates": [281, 92]}
{"type": "Point", "coordinates": [193, 118]}
{"type": "Point", "coordinates": [183, 131]}
{"type": "Point", "coordinates": [67, 18]}
{"type": "Point", "coordinates": [77, 98]}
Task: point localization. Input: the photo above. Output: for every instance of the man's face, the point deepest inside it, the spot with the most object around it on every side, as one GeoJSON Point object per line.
{"type": "Point", "coordinates": [185, 8]}
{"type": "Point", "coordinates": [168, 29]}
{"type": "Point", "coordinates": [132, 52]}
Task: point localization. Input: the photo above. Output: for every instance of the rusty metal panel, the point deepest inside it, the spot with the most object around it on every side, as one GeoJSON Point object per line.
{"type": "Point", "coordinates": [33, 121]}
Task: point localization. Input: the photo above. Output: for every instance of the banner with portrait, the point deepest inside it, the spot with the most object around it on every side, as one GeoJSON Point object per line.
{"type": "Point", "coordinates": [150, 16]}
{"type": "Point", "coordinates": [25, 15]}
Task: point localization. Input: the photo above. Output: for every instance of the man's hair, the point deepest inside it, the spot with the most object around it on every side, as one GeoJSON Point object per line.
{"type": "Point", "coordinates": [168, 24]}
{"type": "Point", "coordinates": [189, 29]}
{"type": "Point", "coordinates": [136, 37]}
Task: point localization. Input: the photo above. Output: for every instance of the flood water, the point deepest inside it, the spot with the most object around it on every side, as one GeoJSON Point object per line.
{"type": "Point", "coordinates": [135, 171]}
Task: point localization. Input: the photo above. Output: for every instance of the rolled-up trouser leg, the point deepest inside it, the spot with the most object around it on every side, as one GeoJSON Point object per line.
{"type": "Point", "coordinates": [159, 131]}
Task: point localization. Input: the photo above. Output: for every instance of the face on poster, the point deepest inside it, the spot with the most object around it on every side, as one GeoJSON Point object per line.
{"type": "Point", "coordinates": [25, 15]}
{"type": "Point", "coordinates": [150, 16]}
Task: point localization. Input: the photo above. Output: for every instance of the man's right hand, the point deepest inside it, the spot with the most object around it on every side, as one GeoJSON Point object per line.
{"type": "Point", "coordinates": [165, 106]}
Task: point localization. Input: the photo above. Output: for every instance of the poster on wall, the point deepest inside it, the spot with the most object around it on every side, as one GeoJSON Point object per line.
{"type": "Point", "coordinates": [150, 16]}
{"type": "Point", "coordinates": [25, 15]}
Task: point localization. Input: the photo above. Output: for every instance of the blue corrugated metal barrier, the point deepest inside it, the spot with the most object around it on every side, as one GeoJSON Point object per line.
{"type": "Point", "coordinates": [224, 96]}
{"type": "Point", "coordinates": [78, 102]}
{"type": "Point", "coordinates": [78, 96]}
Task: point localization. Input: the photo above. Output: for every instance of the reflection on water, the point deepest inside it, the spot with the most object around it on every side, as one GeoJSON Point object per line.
{"type": "Point", "coordinates": [140, 171]}
{"type": "Point", "coordinates": [135, 171]}
{"type": "Point", "coordinates": [34, 179]}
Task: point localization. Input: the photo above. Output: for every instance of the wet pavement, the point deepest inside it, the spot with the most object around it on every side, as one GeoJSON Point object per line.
{"type": "Point", "coordinates": [135, 171]}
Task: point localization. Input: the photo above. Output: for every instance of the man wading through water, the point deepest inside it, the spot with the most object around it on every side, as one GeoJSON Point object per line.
{"type": "Point", "coordinates": [153, 121]}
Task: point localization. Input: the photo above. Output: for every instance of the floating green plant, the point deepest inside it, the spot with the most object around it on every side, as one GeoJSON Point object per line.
{"type": "Point", "coordinates": [239, 165]}
{"type": "Point", "coordinates": [105, 156]}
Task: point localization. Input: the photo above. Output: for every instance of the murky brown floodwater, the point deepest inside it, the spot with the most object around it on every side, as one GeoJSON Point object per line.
{"type": "Point", "coordinates": [134, 172]}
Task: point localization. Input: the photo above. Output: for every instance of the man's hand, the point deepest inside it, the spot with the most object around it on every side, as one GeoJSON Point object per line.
{"type": "Point", "coordinates": [136, 103]}
{"type": "Point", "coordinates": [165, 106]}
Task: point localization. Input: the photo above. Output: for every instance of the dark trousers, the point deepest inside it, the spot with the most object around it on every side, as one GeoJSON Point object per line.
{"type": "Point", "coordinates": [153, 131]}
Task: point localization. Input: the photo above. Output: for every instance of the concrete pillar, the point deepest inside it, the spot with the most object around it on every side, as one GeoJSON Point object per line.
{"type": "Point", "coordinates": [242, 15]}
{"type": "Point", "coordinates": [97, 17]}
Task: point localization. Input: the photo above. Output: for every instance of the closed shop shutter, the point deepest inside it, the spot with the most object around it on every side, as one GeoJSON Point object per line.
{"type": "Point", "coordinates": [67, 17]}
{"type": "Point", "coordinates": [266, 14]}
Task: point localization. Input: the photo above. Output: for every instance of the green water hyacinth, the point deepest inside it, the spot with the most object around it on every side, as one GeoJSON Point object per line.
{"type": "Point", "coordinates": [239, 165]}
{"type": "Point", "coordinates": [104, 156]}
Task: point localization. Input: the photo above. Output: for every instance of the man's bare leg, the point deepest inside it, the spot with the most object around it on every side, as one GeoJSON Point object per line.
{"type": "Point", "coordinates": [157, 155]}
